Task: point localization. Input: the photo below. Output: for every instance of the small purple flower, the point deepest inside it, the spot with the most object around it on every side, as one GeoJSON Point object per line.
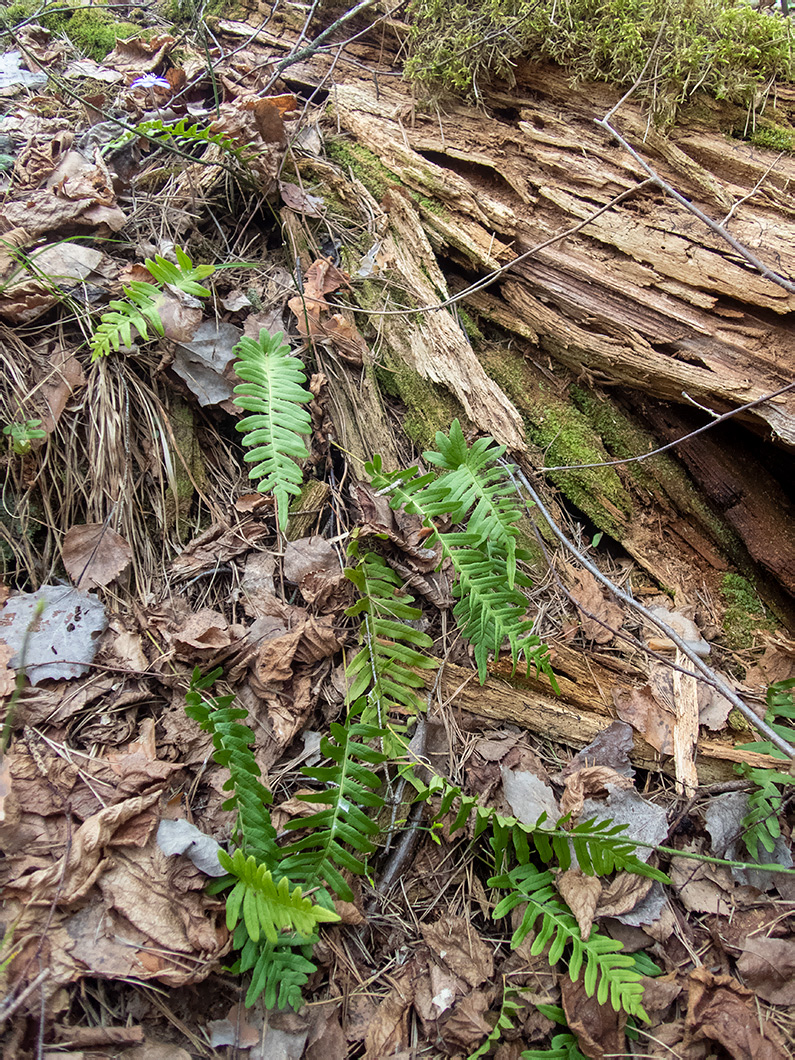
{"type": "Point", "coordinates": [150, 81]}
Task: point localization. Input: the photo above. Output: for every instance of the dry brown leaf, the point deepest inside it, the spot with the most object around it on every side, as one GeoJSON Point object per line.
{"type": "Point", "coordinates": [94, 554]}
{"type": "Point", "coordinates": [702, 888]}
{"type": "Point", "coordinates": [326, 1040]}
{"type": "Point", "coordinates": [92, 1037]}
{"type": "Point", "coordinates": [643, 711]}
{"type": "Point", "coordinates": [76, 872]}
{"type": "Point", "coordinates": [623, 894]}
{"type": "Point", "coordinates": [456, 943]}
{"type": "Point", "coordinates": [604, 616]}
{"type": "Point", "coordinates": [56, 389]}
{"type": "Point", "coordinates": [388, 1032]}
{"type": "Point", "coordinates": [720, 1010]}
{"type": "Point", "coordinates": [599, 1028]}
{"type": "Point", "coordinates": [611, 747]}
{"type": "Point", "coordinates": [768, 968]}
{"type": "Point", "coordinates": [588, 783]}
{"type": "Point", "coordinates": [581, 894]}
{"type": "Point", "coordinates": [137, 55]}
{"type": "Point", "coordinates": [466, 1025]}
{"type": "Point", "coordinates": [204, 632]}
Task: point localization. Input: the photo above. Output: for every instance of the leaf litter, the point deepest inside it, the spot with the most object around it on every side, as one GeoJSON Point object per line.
{"type": "Point", "coordinates": [111, 809]}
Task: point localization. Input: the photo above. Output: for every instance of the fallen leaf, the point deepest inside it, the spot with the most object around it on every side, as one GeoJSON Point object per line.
{"type": "Point", "coordinates": [182, 837]}
{"type": "Point", "coordinates": [611, 747]}
{"type": "Point", "coordinates": [600, 616]}
{"type": "Point", "coordinates": [529, 796]}
{"type": "Point", "coordinates": [456, 943]}
{"type": "Point", "coordinates": [58, 641]}
{"type": "Point", "coordinates": [644, 712]}
{"type": "Point", "coordinates": [581, 894]}
{"type": "Point", "coordinates": [599, 1028]}
{"type": "Point", "coordinates": [767, 966]}
{"type": "Point", "coordinates": [466, 1024]}
{"type": "Point", "coordinates": [721, 1010]}
{"type": "Point", "coordinates": [94, 554]}
{"type": "Point", "coordinates": [589, 782]}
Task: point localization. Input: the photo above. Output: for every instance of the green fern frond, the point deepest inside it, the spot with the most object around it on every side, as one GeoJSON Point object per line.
{"type": "Point", "coordinates": [266, 907]}
{"type": "Point", "coordinates": [761, 824]}
{"type": "Point", "coordinates": [185, 276]}
{"type": "Point", "coordinates": [607, 972]}
{"type": "Point", "coordinates": [564, 1047]}
{"type": "Point", "coordinates": [140, 310]}
{"type": "Point", "coordinates": [509, 1008]}
{"type": "Point", "coordinates": [385, 668]}
{"type": "Point", "coordinates": [232, 750]}
{"type": "Point", "coordinates": [278, 971]}
{"type": "Point", "coordinates": [473, 488]}
{"type": "Point", "coordinates": [275, 394]}
{"type": "Point", "coordinates": [181, 133]}
{"type": "Point", "coordinates": [318, 859]}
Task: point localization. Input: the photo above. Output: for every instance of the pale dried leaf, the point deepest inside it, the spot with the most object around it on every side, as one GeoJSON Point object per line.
{"type": "Point", "coordinates": [581, 894]}
{"type": "Point", "coordinates": [59, 642]}
{"type": "Point", "coordinates": [455, 942]}
{"type": "Point", "coordinates": [94, 554]}
{"type": "Point", "coordinates": [601, 617]}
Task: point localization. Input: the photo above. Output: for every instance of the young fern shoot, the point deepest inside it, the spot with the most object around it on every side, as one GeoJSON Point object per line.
{"type": "Point", "coordinates": [274, 394]}
{"type": "Point", "coordinates": [127, 320]}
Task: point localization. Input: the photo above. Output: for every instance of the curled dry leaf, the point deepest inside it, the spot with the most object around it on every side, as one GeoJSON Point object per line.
{"type": "Point", "coordinates": [94, 554]}
{"type": "Point", "coordinates": [720, 1010]}
{"type": "Point", "coordinates": [600, 615]}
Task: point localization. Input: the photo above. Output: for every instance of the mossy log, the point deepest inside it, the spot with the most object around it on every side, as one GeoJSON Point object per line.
{"type": "Point", "coordinates": [573, 354]}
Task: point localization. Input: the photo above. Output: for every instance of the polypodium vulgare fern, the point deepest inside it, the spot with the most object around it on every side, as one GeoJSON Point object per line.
{"type": "Point", "coordinates": [274, 393]}
{"type": "Point", "coordinates": [273, 923]}
{"type": "Point", "coordinates": [474, 489]}
{"type": "Point", "coordinates": [761, 825]}
{"type": "Point", "coordinates": [608, 972]}
{"type": "Point", "coordinates": [126, 320]}
{"type": "Point", "coordinates": [387, 665]}
{"type": "Point", "coordinates": [341, 833]}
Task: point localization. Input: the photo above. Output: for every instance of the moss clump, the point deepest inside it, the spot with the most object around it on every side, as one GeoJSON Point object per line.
{"type": "Point", "coordinates": [429, 408]}
{"type": "Point", "coordinates": [774, 137]}
{"type": "Point", "coordinates": [623, 438]}
{"type": "Point", "coordinates": [364, 165]}
{"type": "Point", "coordinates": [566, 437]}
{"type": "Point", "coordinates": [93, 30]}
{"type": "Point", "coordinates": [723, 47]}
{"type": "Point", "coordinates": [745, 616]}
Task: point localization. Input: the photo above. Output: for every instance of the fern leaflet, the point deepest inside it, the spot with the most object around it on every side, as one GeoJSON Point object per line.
{"type": "Point", "coordinates": [385, 666]}
{"type": "Point", "coordinates": [268, 908]}
{"type": "Point", "coordinates": [761, 825]}
{"type": "Point", "coordinates": [279, 971]}
{"type": "Point", "coordinates": [274, 393]}
{"type": "Point", "coordinates": [473, 488]}
{"type": "Point", "coordinates": [564, 1047]}
{"type": "Point", "coordinates": [124, 321]}
{"type": "Point", "coordinates": [231, 743]}
{"type": "Point", "coordinates": [316, 859]}
{"type": "Point", "coordinates": [608, 972]}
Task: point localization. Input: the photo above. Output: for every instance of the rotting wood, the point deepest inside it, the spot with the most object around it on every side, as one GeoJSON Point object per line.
{"type": "Point", "coordinates": [571, 722]}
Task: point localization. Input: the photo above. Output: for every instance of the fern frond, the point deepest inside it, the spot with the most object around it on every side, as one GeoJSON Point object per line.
{"type": "Point", "coordinates": [159, 131]}
{"type": "Point", "coordinates": [473, 488]}
{"type": "Point", "coordinates": [185, 276]}
{"type": "Point", "coordinates": [761, 823]}
{"type": "Point", "coordinates": [385, 667]}
{"type": "Point", "coordinates": [508, 1011]}
{"type": "Point", "coordinates": [275, 394]}
{"type": "Point", "coordinates": [349, 784]}
{"type": "Point", "coordinates": [140, 310]}
{"type": "Point", "coordinates": [278, 971]}
{"type": "Point", "coordinates": [267, 907]}
{"type": "Point", "coordinates": [231, 744]}
{"type": "Point", "coordinates": [564, 1047]}
{"type": "Point", "coordinates": [607, 972]}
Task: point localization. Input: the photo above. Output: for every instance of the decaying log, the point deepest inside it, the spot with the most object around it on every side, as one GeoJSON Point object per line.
{"type": "Point", "coordinates": [639, 298]}
{"type": "Point", "coordinates": [580, 713]}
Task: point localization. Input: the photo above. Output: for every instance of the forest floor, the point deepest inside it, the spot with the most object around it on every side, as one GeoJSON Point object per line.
{"type": "Point", "coordinates": [127, 508]}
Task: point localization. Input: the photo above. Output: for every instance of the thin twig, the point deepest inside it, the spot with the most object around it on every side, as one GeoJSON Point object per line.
{"type": "Point", "coordinates": [678, 441]}
{"type": "Point", "coordinates": [714, 678]}
{"type": "Point", "coordinates": [718, 229]}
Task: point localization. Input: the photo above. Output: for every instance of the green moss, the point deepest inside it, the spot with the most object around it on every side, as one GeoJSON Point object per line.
{"type": "Point", "coordinates": [745, 615]}
{"type": "Point", "coordinates": [566, 437]}
{"type": "Point", "coordinates": [364, 165]}
{"type": "Point", "coordinates": [623, 438]}
{"type": "Point", "coordinates": [774, 137]}
{"type": "Point", "coordinates": [429, 408]}
{"type": "Point", "coordinates": [93, 30]}
{"type": "Point", "coordinates": [723, 47]}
